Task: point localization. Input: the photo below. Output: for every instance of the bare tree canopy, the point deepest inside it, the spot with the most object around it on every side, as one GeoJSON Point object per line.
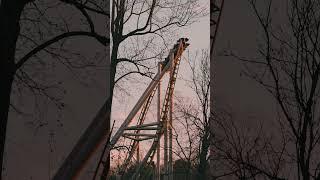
{"type": "Point", "coordinates": [194, 136]}
{"type": "Point", "coordinates": [286, 65]}
{"type": "Point", "coordinates": [35, 38]}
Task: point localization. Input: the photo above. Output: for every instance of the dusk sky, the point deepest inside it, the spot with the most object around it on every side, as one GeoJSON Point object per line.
{"type": "Point", "coordinates": [198, 34]}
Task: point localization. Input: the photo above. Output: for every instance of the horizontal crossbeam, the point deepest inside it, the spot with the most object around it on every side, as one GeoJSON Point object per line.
{"type": "Point", "coordinates": [143, 128]}
{"type": "Point", "coordinates": [138, 134]}
{"type": "Point", "coordinates": [142, 125]}
{"type": "Point", "coordinates": [138, 139]}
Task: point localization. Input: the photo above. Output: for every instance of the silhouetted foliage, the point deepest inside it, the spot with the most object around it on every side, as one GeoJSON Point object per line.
{"type": "Point", "coordinates": [32, 35]}
{"type": "Point", "coordinates": [287, 66]}
{"type": "Point", "coordinates": [194, 116]}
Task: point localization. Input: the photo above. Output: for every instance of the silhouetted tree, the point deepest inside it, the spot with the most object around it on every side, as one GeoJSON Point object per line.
{"type": "Point", "coordinates": [29, 33]}
{"type": "Point", "coordinates": [182, 169]}
{"type": "Point", "coordinates": [194, 116]}
{"type": "Point", "coordinates": [201, 85]}
{"type": "Point", "coordinates": [243, 151]}
{"type": "Point", "coordinates": [287, 65]}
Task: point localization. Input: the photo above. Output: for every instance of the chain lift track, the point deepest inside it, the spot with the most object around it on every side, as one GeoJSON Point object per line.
{"type": "Point", "coordinates": [164, 113]}
{"type": "Point", "coordinates": [156, 129]}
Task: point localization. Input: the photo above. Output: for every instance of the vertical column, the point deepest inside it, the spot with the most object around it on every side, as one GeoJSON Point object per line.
{"type": "Point", "coordinates": [170, 132]}
{"type": "Point", "coordinates": [158, 115]}
{"type": "Point", "coordinates": [138, 152]}
{"type": "Point", "coordinates": [165, 146]}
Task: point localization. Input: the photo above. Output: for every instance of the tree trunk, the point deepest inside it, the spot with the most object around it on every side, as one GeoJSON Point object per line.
{"type": "Point", "coordinates": [202, 168]}
{"type": "Point", "coordinates": [114, 57]}
{"type": "Point", "coordinates": [6, 78]}
{"type": "Point", "coordinates": [10, 12]}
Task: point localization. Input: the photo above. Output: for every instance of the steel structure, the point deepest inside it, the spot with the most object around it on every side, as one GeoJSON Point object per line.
{"type": "Point", "coordinates": [162, 125]}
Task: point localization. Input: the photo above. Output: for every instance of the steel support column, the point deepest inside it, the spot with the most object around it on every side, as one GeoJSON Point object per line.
{"type": "Point", "coordinates": [170, 168]}
{"type": "Point", "coordinates": [158, 170]}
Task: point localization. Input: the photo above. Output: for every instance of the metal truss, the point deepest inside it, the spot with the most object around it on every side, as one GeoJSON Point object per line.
{"type": "Point", "coordinates": [154, 130]}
